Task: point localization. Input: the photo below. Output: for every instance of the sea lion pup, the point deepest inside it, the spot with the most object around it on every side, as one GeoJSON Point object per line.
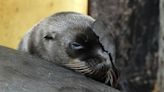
{"type": "Point", "coordinates": [67, 39]}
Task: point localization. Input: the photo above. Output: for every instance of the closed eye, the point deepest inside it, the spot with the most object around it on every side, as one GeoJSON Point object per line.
{"type": "Point", "coordinates": [76, 46]}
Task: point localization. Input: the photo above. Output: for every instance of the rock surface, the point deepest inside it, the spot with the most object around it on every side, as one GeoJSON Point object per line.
{"type": "Point", "coordinates": [135, 25]}
{"type": "Point", "coordinates": [20, 72]}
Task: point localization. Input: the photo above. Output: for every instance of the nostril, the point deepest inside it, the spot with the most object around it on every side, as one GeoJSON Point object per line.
{"type": "Point", "coordinates": [103, 53]}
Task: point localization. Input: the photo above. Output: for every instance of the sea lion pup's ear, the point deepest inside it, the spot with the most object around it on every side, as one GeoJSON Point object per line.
{"type": "Point", "coordinates": [50, 36]}
{"type": "Point", "coordinates": [102, 30]}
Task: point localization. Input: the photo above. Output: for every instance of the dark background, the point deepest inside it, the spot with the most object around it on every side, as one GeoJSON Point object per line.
{"type": "Point", "coordinates": [135, 26]}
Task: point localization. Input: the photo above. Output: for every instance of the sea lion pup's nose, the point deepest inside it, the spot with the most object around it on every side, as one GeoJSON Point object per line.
{"type": "Point", "coordinates": [105, 58]}
{"type": "Point", "coordinates": [107, 64]}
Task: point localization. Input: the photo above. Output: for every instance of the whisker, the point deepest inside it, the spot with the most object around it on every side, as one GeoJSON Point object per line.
{"type": "Point", "coordinates": [76, 65]}
{"type": "Point", "coordinates": [109, 78]}
{"type": "Point", "coordinates": [92, 68]}
{"type": "Point", "coordinates": [86, 71]}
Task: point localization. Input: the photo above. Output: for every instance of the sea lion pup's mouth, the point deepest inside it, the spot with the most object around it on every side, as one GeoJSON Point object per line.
{"type": "Point", "coordinates": [98, 71]}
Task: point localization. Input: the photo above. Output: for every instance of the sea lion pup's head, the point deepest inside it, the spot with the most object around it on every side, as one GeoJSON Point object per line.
{"type": "Point", "coordinates": [68, 39]}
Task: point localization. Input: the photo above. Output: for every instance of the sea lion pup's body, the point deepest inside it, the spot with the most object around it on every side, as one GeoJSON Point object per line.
{"type": "Point", "coordinates": [67, 39]}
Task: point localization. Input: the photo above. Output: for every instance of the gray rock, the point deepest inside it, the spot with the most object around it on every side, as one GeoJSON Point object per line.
{"type": "Point", "coordinates": [20, 72]}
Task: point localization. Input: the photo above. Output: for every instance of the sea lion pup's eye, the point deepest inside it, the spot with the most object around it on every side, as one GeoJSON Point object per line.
{"type": "Point", "coordinates": [76, 46]}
